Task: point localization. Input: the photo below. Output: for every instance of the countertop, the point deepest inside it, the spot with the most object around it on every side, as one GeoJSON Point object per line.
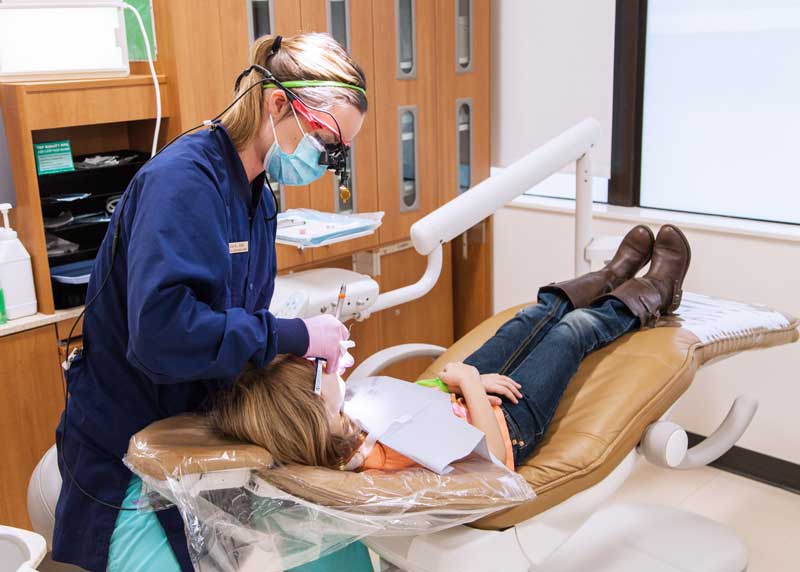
{"type": "Point", "coordinates": [38, 320]}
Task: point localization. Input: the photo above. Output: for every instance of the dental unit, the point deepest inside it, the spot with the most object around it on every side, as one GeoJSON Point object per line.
{"type": "Point", "coordinates": [243, 514]}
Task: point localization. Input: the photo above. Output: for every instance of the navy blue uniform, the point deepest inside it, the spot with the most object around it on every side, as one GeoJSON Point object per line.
{"type": "Point", "coordinates": [179, 317]}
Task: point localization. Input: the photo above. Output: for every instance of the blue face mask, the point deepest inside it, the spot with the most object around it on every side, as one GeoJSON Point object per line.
{"type": "Point", "coordinates": [299, 168]}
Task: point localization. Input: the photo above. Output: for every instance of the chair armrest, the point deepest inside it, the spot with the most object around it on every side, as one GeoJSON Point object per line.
{"type": "Point", "coordinates": [666, 444]}
{"type": "Point", "coordinates": [389, 356]}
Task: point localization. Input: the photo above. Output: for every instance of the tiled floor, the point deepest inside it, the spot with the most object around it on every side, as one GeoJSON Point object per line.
{"type": "Point", "coordinates": [766, 517]}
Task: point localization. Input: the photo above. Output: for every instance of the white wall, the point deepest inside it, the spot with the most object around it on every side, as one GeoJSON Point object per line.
{"type": "Point", "coordinates": [723, 264]}
{"type": "Point", "coordinates": [552, 66]}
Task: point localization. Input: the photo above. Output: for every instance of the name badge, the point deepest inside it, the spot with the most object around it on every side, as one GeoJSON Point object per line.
{"type": "Point", "coordinates": [238, 247]}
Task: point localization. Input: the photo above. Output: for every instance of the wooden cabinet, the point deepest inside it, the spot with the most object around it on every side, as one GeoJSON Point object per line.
{"type": "Point", "coordinates": [82, 111]}
{"type": "Point", "coordinates": [463, 94]}
{"type": "Point", "coordinates": [196, 53]}
{"type": "Point", "coordinates": [464, 113]}
{"type": "Point", "coordinates": [405, 112]}
{"type": "Point", "coordinates": [31, 405]}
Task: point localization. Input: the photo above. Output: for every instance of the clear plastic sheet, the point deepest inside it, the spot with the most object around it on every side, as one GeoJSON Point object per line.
{"type": "Point", "coordinates": [242, 513]}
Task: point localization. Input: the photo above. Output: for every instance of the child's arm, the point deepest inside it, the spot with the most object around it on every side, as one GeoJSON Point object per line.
{"type": "Point", "coordinates": [466, 380]}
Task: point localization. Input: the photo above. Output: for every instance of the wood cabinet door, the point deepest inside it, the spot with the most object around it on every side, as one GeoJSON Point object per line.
{"type": "Point", "coordinates": [463, 31]}
{"type": "Point", "coordinates": [33, 399]}
{"type": "Point", "coordinates": [405, 112]}
{"type": "Point", "coordinates": [201, 46]}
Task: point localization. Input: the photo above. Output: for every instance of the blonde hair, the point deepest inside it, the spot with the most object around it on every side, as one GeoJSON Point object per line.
{"type": "Point", "coordinates": [276, 408]}
{"type": "Point", "coordinates": [309, 56]}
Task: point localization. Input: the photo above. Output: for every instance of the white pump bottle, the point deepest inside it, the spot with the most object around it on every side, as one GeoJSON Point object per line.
{"type": "Point", "coordinates": [16, 273]}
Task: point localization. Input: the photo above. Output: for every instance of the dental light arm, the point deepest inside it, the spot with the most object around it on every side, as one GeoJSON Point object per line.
{"type": "Point", "coordinates": [484, 199]}
{"type": "Point", "coordinates": [416, 290]}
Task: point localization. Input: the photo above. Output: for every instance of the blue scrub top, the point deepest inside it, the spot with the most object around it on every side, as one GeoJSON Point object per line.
{"type": "Point", "coordinates": [179, 318]}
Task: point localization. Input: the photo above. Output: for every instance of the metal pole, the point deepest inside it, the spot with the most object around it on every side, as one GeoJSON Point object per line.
{"type": "Point", "coordinates": [583, 212]}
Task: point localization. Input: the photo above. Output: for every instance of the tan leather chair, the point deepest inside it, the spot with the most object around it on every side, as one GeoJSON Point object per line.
{"type": "Point", "coordinates": [619, 394]}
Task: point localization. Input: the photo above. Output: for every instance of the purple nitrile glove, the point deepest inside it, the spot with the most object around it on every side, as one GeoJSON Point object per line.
{"type": "Point", "coordinates": [325, 334]}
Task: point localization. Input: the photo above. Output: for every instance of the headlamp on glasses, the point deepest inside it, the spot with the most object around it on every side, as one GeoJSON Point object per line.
{"type": "Point", "coordinates": [335, 156]}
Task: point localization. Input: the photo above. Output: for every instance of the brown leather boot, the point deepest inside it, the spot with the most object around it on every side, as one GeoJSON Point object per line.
{"type": "Point", "coordinates": [631, 256]}
{"type": "Point", "coordinates": [660, 290]}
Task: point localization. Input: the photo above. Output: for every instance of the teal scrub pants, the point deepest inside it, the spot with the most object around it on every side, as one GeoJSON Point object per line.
{"type": "Point", "coordinates": [139, 544]}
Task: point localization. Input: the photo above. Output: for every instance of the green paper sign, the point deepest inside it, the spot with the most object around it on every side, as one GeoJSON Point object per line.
{"type": "Point", "coordinates": [53, 157]}
{"type": "Point", "coordinates": [137, 52]}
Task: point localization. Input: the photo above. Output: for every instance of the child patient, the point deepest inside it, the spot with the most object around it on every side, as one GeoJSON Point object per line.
{"type": "Point", "coordinates": [509, 388]}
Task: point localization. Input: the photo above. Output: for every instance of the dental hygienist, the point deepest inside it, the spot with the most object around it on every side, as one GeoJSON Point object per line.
{"type": "Point", "coordinates": [179, 295]}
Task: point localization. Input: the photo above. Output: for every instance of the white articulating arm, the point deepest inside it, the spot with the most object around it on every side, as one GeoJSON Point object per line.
{"type": "Point", "coordinates": [666, 444]}
{"type": "Point", "coordinates": [485, 198]}
{"type": "Point", "coordinates": [407, 293]}
{"type": "Point", "coordinates": [481, 201]}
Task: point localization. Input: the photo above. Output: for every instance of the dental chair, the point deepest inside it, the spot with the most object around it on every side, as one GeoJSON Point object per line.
{"type": "Point", "coordinates": [614, 411]}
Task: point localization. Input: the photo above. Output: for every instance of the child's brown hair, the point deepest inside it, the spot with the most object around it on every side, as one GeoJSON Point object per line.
{"type": "Point", "coordinates": [276, 408]}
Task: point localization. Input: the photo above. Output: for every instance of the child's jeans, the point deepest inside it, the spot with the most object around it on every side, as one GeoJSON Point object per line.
{"type": "Point", "coordinates": [541, 348]}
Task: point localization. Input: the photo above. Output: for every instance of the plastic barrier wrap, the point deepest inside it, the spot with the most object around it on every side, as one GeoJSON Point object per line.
{"type": "Point", "coordinates": [242, 513]}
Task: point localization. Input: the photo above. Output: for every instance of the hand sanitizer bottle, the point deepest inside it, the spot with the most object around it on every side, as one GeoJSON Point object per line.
{"type": "Point", "coordinates": [16, 273]}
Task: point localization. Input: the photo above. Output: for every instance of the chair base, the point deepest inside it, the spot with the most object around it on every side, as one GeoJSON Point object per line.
{"type": "Point", "coordinates": [619, 538]}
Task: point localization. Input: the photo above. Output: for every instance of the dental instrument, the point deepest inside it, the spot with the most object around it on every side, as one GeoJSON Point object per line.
{"type": "Point", "coordinates": [342, 293]}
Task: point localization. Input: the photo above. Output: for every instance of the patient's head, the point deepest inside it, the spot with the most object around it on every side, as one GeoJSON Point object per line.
{"type": "Point", "coordinates": [276, 408]}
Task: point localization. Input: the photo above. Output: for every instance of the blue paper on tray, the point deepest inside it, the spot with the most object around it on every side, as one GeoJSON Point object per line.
{"type": "Point", "coordinates": [307, 227]}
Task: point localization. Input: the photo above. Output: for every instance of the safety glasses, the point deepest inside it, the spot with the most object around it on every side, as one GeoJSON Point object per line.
{"type": "Point", "coordinates": [317, 122]}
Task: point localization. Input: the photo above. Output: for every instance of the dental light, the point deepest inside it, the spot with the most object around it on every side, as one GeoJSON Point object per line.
{"type": "Point", "coordinates": [62, 40]}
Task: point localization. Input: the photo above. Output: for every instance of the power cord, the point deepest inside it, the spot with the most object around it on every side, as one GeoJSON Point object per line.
{"type": "Point", "coordinates": [154, 147]}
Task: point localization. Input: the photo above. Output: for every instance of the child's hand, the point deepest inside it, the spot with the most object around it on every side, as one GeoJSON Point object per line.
{"type": "Point", "coordinates": [457, 375]}
{"type": "Point", "coordinates": [501, 385]}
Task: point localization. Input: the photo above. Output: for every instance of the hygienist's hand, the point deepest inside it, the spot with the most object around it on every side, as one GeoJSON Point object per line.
{"type": "Point", "coordinates": [497, 384]}
{"type": "Point", "coordinates": [325, 334]}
